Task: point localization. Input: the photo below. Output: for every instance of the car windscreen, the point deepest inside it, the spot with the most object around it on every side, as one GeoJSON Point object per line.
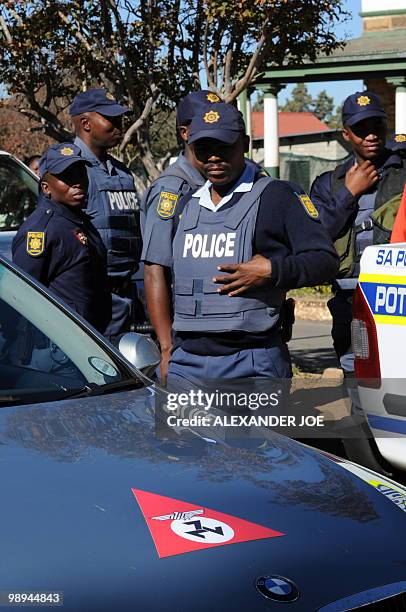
{"type": "Point", "coordinates": [44, 354]}
{"type": "Point", "coordinates": [18, 193]}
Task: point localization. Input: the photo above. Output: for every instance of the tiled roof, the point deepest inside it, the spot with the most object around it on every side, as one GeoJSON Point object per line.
{"type": "Point", "coordinates": [386, 43]}
{"type": "Point", "coordinates": [289, 123]}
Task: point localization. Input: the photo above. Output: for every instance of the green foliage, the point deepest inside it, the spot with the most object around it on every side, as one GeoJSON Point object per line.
{"type": "Point", "coordinates": [149, 53]}
{"type": "Point", "coordinates": [318, 292]}
{"type": "Point", "coordinates": [300, 101]}
{"type": "Point", "coordinates": [322, 105]}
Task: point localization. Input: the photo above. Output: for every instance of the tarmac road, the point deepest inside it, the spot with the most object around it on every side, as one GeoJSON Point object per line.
{"type": "Point", "coordinates": [311, 346]}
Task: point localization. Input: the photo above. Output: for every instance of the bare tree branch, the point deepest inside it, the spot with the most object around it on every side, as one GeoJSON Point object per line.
{"type": "Point", "coordinates": [140, 122]}
{"type": "Point", "coordinates": [6, 31]}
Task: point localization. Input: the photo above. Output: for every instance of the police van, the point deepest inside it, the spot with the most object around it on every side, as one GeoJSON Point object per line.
{"type": "Point", "coordinates": [379, 342]}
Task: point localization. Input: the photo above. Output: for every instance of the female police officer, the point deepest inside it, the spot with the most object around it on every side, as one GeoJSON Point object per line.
{"type": "Point", "coordinates": [231, 330]}
{"type": "Point", "coordinates": [58, 245]}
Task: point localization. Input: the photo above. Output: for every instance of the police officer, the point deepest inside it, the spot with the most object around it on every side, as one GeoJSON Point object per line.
{"type": "Point", "coordinates": [345, 198]}
{"type": "Point", "coordinates": [58, 244]}
{"type": "Point", "coordinates": [112, 202]}
{"type": "Point", "coordinates": [158, 208]}
{"type": "Point", "coordinates": [398, 143]}
{"type": "Point", "coordinates": [227, 326]}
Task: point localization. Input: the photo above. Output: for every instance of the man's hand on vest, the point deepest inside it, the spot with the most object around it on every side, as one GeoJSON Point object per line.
{"type": "Point", "coordinates": [244, 276]}
{"type": "Point", "coordinates": [361, 177]}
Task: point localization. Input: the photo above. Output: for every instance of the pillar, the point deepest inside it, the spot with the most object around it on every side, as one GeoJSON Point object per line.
{"type": "Point", "coordinates": [400, 103]}
{"type": "Point", "coordinates": [271, 134]}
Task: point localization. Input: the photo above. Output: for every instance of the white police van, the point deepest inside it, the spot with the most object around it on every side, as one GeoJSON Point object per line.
{"type": "Point", "coordinates": [18, 198]}
{"type": "Point", "coordinates": [379, 342]}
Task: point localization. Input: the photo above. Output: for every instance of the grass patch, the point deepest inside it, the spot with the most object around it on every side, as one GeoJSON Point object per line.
{"type": "Point", "coordinates": [317, 293]}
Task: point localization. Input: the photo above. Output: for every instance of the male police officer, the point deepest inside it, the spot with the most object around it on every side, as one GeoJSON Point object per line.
{"type": "Point", "coordinates": [158, 208]}
{"type": "Point", "coordinates": [235, 217]}
{"type": "Point", "coordinates": [346, 197]}
{"type": "Point", "coordinates": [58, 244]}
{"type": "Point", "coordinates": [112, 201]}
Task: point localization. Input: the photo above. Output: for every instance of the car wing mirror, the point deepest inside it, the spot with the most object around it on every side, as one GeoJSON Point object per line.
{"type": "Point", "coordinates": [141, 351]}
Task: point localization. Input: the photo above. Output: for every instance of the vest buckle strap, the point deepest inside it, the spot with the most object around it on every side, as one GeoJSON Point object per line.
{"type": "Point", "coordinates": [367, 225]}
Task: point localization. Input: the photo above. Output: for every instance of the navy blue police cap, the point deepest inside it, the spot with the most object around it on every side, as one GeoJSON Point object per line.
{"type": "Point", "coordinates": [99, 101]}
{"type": "Point", "coordinates": [192, 103]}
{"type": "Point", "coordinates": [59, 157]}
{"type": "Point", "coordinates": [397, 142]}
{"type": "Point", "coordinates": [219, 121]}
{"type": "Point", "coordinates": [361, 105]}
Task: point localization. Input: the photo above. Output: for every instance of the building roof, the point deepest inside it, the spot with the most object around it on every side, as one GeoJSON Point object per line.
{"type": "Point", "coordinates": [289, 123]}
{"type": "Point", "coordinates": [389, 43]}
{"type": "Point", "coordinates": [376, 54]}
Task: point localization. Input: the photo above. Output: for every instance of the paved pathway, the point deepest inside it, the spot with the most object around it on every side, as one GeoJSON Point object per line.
{"type": "Point", "coordinates": [311, 346]}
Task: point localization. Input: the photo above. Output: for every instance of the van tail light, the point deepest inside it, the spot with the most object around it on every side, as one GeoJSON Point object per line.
{"type": "Point", "coordinates": [365, 343]}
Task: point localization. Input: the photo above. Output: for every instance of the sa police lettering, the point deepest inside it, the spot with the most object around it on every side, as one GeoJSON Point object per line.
{"type": "Point", "coordinates": [391, 257]}
{"type": "Point", "coordinates": [214, 245]}
{"type": "Point", "coordinates": [123, 200]}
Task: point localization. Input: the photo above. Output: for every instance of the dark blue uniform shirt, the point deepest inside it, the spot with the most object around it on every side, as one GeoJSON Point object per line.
{"type": "Point", "coordinates": [59, 247]}
{"type": "Point", "coordinates": [335, 209]}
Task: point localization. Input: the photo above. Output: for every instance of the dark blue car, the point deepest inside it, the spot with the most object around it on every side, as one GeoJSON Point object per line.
{"type": "Point", "coordinates": [105, 507]}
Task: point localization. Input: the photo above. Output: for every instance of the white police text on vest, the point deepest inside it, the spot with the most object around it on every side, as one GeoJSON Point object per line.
{"type": "Point", "coordinates": [214, 245]}
{"type": "Point", "coordinates": [123, 200]}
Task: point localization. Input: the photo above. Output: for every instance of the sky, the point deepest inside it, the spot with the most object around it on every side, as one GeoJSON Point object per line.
{"type": "Point", "coordinates": [339, 90]}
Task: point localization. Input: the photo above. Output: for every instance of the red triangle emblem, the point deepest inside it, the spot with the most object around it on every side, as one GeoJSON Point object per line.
{"type": "Point", "coordinates": [179, 527]}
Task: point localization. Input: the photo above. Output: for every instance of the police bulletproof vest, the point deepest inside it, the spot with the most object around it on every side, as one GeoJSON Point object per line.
{"type": "Point", "coordinates": [115, 213]}
{"type": "Point", "coordinates": [178, 172]}
{"type": "Point", "coordinates": [373, 223]}
{"type": "Point", "coordinates": [204, 240]}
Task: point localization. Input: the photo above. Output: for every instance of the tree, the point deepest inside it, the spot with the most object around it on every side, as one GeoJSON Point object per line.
{"type": "Point", "coordinates": [323, 106]}
{"type": "Point", "coordinates": [148, 53]}
{"type": "Point", "coordinates": [300, 102]}
{"type": "Point", "coordinates": [335, 121]}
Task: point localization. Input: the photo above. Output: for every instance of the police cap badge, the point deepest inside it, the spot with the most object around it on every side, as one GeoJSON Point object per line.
{"type": "Point", "coordinates": [211, 117]}
{"type": "Point", "coordinates": [363, 101]}
{"type": "Point", "coordinates": [66, 151]}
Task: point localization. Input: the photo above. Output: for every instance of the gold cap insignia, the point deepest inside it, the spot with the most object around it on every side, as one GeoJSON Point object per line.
{"type": "Point", "coordinates": [167, 204]}
{"type": "Point", "coordinates": [67, 151]}
{"type": "Point", "coordinates": [110, 96]}
{"type": "Point", "coordinates": [400, 138]}
{"type": "Point", "coordinates": [211, 117]}
{"type": "Point", "coordinates": [212, 97]}
{"type": "Point", "coordinates": [363, 101]}
{"type": "Point", "coordinates": [309, 206]}
{"type": "Point", "coordinates": [35, 243]}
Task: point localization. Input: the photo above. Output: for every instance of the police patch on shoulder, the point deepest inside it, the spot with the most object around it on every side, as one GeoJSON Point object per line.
{"type": "Point", "coordinates": [35, 243]}
{"type": "Point", "coordinates": [167, 204]}
{"type": "Point", "coordinates": [308, 206]}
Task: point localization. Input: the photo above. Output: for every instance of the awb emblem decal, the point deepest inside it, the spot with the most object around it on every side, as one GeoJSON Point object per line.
{"type": "Point", "coordinates": [179, 527]}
